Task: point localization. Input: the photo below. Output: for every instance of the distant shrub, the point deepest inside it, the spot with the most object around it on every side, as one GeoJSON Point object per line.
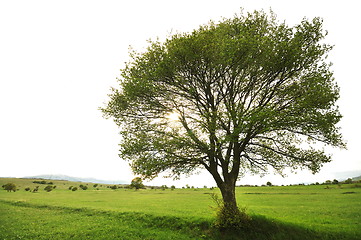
{"type": "Point", "coordinates": [27, 189]}
{"type": "Point", "coordinates": [9, 187]}
{"type": "Point", "coordinates": [113, 187]}
{"type": "Point", "coordinates": [172, 187]}
{"type": "Point", "coordinates": [95, 185]}
{"type": "Point", "coordinates": [335, 181]}
{"type": "Point", "coordinates": [269, 184]}
{"type": "Point", "coordinates": [36, 189]}
{"type": "Point", "coordinates": [74, 189]}
{"type": "Point", "coordinates": [49, 188]}
{"type": "Point", "coordinates": [71, 187]}
{"type": "Point", "coordinates": [327, 182]}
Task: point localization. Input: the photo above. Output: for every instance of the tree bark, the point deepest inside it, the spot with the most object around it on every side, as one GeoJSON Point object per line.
{"type": "Point", "coordinates": [229, 196]}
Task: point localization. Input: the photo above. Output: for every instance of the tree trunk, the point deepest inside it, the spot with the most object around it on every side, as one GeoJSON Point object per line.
{"type": "Point", "coordinates": [229, 196]}
{"type": "Point", "coordinates": [229, 216]}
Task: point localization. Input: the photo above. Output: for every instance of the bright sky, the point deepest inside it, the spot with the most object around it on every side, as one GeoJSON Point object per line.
{"type": "Point", "coordinates": [58, 60]}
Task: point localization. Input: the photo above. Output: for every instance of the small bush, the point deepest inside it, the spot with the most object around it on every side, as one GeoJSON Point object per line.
{"type": "Point", "coordinates": [36, 189]}
{"type": "Point", "coordinates": [49, 188]}
{"type": "Point", "coordinates": [230, 219]}
{"type": "Point", "coordinates": [74, 189]}
{"type": "Point", "coordinates": [27, 189]}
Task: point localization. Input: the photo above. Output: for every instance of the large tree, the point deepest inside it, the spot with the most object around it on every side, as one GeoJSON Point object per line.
{"type": "Point", "coordinates": [241, 95]}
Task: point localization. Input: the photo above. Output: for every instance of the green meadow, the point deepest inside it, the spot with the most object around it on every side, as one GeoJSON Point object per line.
{"type": "Point", "coordinates": [290, 212]}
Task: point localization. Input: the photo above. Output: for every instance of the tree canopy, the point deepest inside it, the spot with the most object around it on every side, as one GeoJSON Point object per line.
{"type": "Point", "coordinates": [241, 95]}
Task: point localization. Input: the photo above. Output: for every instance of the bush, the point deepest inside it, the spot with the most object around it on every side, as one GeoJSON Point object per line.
{"type": "Point", "coordinates": [230, 219]}
{"type": "Point", "coordinates": [27, 189]}
{"type": "Point", "coordinates": [48, 188]}
{"type": "Point", "coordinates": [36, 189]}
{"type": "Point", "coordinates": [9, 187]}
{"type": "Point", "coordinates": [74, 189]}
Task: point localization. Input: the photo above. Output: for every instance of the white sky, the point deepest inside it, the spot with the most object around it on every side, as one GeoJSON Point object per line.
{"type": "Point", "coordinates": [58, 60]}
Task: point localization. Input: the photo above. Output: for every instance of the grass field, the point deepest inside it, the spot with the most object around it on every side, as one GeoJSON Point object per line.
{"type": "Point", "coordinates": [291, 212]}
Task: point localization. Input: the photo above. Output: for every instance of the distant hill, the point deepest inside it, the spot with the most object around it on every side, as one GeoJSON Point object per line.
{"type": "Point", "coordinates": [76, 179]}
{"type": "Point", "coordinates": [356, 178]}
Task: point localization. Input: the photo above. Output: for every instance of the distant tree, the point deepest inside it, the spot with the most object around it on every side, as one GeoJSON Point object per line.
{"type": "Point", "coordinates": [348, 181]}
{"type": "Point", "coordinates": [335, 181]}
{"type": "Point", "coordinates": [246, 92]}
{"type": "Point", "coordinates": [269, 184]}
{"type": "Point", "coordinates": [114, 187]}
{"type": "Point", "coordinates": [9, 187]}
{"type": "Point", "coordinates": [137, 183]}
{"type": "Point", "coordinates": [172, 187]}
{"type": "Point", "coordinates": [327, 182]}
{"type": "Point", "coordinates": [27, 189]}
{"type": "Point", "coordinates": [71, 187]}
{"type": "Point", "coordinates": [84, 187]}
{"type": "Point", "coordinates": [74, 189]}
{"type": "Point", "coordinates": [164, 187]}
{"type": "Point", "coordinates": [95, 185]}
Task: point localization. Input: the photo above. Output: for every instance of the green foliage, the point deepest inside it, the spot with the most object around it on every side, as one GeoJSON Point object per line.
{"type": "Point", "coordinates": [248, 83]}
{"type": "Point", "coordinates": [137, 183]}
{"type": "Point", "coordinates": [348, 181]}
{"type": "Point", "coordinates": [9, 187]}
{"type": "Point", "coordinates": [230, 218]}
{"type": "Point", "coordinates": [269, 184]}
{"type": "Point", "coordinates": [74, 189]}
{"type": "Point", "coordinates": [49, 188]}
{"type": "Point", "coordinates": [247, 92]}
{"type": "Point", "coordinates": [43, 182]}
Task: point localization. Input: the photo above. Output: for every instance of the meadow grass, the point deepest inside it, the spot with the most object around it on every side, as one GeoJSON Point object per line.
{"type": "Point", "coordinates": [292, 212]}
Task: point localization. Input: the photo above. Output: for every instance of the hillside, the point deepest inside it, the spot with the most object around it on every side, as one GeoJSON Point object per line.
{"type": "Point", "coordinates": [356, 178]}
{"type": "Point", "coordinates": [22, 183]}
{"type": "Point", "coordinates": [76, 179]}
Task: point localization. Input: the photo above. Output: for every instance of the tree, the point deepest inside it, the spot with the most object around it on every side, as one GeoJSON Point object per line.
{"type": "Point", "coordinates": [269, 184]}
{"type": "Point", "coordinates": [348, 181]}
{"type": "Point", "coordinates": [335, 181]}
{"type": "Point", "coordinates": [231, 97]}
{"type": "Point", "coordinates": [9, 187]}
{"type": "Point", "coordinates": [137, 183]}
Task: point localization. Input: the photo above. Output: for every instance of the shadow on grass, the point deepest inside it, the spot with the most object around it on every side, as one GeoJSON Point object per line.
{"type": "Point", "coordinates": [259, 228]}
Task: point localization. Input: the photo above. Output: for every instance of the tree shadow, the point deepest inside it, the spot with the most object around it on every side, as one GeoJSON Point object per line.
{"type": "Point", "coordinates": [262, 228]}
